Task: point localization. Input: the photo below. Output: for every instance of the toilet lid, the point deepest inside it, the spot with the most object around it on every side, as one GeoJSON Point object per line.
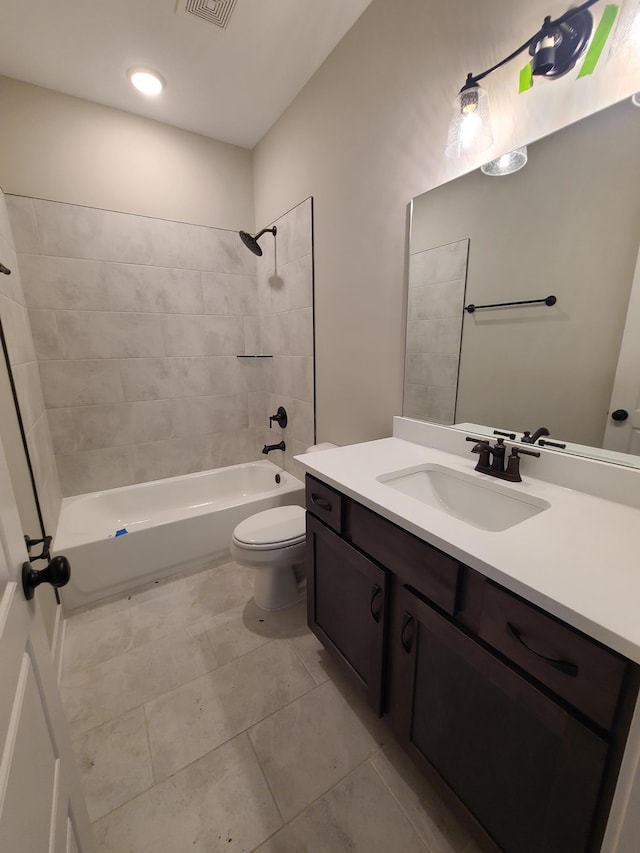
{"type": "Point", "coordinates": [283, 525]}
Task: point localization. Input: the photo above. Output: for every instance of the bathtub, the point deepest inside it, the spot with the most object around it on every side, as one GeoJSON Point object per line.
{"type": "Point", "coordinates": [172, 525]}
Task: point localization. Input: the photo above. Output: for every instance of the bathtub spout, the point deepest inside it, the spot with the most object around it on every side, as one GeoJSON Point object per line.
{"type": "Point", "coordinates": [269, 447]}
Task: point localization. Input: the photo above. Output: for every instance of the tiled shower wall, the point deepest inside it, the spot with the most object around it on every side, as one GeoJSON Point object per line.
{"type": "Point", "coordinates": [437, 281]}
{"type": "Point", "coordinates": [285, 287]}
{"type": "Point", "coordinates": [137, 324]}
{"type": "Point", "coordinates": [15, 322]}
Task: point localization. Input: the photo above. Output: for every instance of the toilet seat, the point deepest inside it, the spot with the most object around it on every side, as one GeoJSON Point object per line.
{"type": "Point", "coordinates": [280, 527]}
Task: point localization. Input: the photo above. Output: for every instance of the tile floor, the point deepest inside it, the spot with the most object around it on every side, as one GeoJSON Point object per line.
{"type": "Point", "coordinates": [202, 723]}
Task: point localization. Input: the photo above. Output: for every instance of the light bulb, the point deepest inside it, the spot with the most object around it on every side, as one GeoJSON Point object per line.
{"type": "Point", "coordinates": [146, 81]}
{"type": "Point", "coordinates": [470, 128]}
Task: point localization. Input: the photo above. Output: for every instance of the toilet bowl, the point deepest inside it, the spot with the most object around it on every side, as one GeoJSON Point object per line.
{"type": "Point", "coordinates": [273, 542]}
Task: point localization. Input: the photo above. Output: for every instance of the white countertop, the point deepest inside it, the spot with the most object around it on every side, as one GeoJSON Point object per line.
{"type": "Point", "coordinates": [578, 560]}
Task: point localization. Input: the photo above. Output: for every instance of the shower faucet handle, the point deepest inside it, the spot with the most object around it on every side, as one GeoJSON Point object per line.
{"type": "Point", "coordinates": [280, 418]}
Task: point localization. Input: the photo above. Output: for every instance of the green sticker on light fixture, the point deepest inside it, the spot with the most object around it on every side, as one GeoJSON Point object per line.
{"type": "Point", "coordinates": [599, 40]}
{"type": "Point", "coordinates": [526, 78]}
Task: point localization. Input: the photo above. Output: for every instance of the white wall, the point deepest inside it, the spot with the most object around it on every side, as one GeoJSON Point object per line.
{"type": "Point", "coordinates": [367, 134]}
{"type": "Point", "coordinates": [65, 149]}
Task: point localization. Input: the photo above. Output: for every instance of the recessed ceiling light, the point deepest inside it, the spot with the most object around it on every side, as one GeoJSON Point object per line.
{"type": "Point", "coordinates": [146, 81]}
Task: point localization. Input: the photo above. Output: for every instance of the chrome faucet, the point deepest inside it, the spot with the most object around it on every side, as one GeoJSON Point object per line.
{"type": "Point", "coordinates": [492, 459]}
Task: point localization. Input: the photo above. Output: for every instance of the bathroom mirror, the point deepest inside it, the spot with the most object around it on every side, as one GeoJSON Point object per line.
{"type": "Point", "coordinates": [566, 225]}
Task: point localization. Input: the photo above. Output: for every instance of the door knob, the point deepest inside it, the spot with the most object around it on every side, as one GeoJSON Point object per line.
{"type": "Point", "coordinates": [619, 415]}
{"type": "Point", "coordinates": [57, 574]}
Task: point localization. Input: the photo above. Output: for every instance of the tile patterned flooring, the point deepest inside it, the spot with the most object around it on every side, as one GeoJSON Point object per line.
{"type": "Point", "coordinates": [202, 723]}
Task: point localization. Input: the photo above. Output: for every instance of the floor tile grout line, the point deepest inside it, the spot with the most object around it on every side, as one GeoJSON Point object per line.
{"type": "Point", "coordinates": [266, 779]}
{"type": "Point", "coordinates": [146, 730]}
{"type": "Point", "coordinates": [398, 803]}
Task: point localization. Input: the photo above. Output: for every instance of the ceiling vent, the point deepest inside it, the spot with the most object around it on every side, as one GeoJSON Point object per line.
{"type": "Point", "coordinates": [215, 12]}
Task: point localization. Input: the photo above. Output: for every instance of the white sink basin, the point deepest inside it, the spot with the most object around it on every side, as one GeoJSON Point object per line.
{"type": "Point", "coordinates": [487, 504]}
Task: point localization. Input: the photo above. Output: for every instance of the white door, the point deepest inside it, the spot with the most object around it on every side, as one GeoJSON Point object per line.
{"type": "Point", "coordinates": [42, 808]}
{"type": "Point", "coordinates": [623, 420]}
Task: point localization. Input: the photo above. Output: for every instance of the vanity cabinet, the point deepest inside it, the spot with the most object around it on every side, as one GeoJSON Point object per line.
{"type": "Point", "coordinates": [519, 719]}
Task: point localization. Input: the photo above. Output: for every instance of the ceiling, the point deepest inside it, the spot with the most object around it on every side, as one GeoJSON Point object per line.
{"type": "Point", "coordinates": [230, 84]}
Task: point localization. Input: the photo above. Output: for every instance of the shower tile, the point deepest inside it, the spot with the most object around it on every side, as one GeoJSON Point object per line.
{"type": "Point", "coordinates": [309, 746]}
{"type": "Point", "coordinates": [200, 715]}
{"type": "Point", "coordinates": [158, 378]}
{"type": "Point", "coordinates": [252, 344]}
{"type": "Point", "coordinates": [203, 335]}
{"type": "Point", "coordinates": [22, 216]}
{"type": "Point", "coordinates": [230, 294]}
{"type": "Point", "coordinates": [451, 261]}
{"type": "Point", "coordinates": [65, 283]}
{"type": "Point", "coordinates": [219, 803]}
{"type": "Point", "coordinates": [50, 500]}
{"type": "Point", "coordinates": [434, 335]}
{"type": "Point", "coordinates": [203, 415]}
{"type": "Point", "coordinates": [293, 377]}
{"type": "Point", "coordinates": [63, 433]}
{"type": "Point", "coordinates": [230, 374]}
{"type": "Point", "coordinates": [71, 231]}
{"type": "Point", "coordinates": [80, 383]}
{"type": "Point", "coordinates": [430, 403]}
{"type": "Point", "coordinates": [152, 289]}
{"type": "Point", "coordinates": [170, 458]}
{"type": "Point", "coordinates": [299, 236]}
{"type": "Point", "coordinates": [29, 391]}
{"type": "Point", "coordinates": [259, 408]}
{"type": "Point", "coordinates": [233, 447]}
{"type": "Point", "coordinates": [89, 334]}
{"type": "Point", "coordinates": [105, 691]}
{"type": "Point", "coordinates": [293, 287]}
{"type": "Point", "coordinates": [92, 470]}
{"type": "Point", "coordinates": [15, 323]}
{"type": "Point", "coordinates": [40, 448]}
{"type": "Point", "coordinates": [358, 814]}
{"type": "Point", "coordinates": [10, 285]}
{"type": "Point", "coordinates": [46, 337]}
{"type": "Point", "coordinates": [436, 301]}
{"type": "Point", "coordinates": [114, 762]}
{"type": "Point", "coordinates": [121, 424]}
{"type": "Point", "coordinates": [437, 369]}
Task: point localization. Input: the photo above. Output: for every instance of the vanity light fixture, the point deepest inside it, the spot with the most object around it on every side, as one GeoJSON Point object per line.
{"type": "Point", "coordinates": [146, 81]}
{"type": "Point", "coordinates": [555, 49]}
{"type": "Point", "coordinates": [507, 164]}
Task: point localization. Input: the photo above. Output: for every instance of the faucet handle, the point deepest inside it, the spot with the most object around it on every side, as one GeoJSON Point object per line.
{"type": "Point", "coordinates": [518, 450]}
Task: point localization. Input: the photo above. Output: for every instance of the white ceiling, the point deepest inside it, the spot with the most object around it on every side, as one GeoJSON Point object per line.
{"type": "Point", "coordinates": [230, 84]}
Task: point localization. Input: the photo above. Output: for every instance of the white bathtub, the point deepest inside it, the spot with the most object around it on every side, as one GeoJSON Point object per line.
{"type": "Point", "coordinates": [172, 525]}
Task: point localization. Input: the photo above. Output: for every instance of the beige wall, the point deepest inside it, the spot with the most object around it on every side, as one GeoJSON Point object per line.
{"type": "Point", "coordinates": [65, 149]}
{"type": "Point", "coordinates": [366, 135]}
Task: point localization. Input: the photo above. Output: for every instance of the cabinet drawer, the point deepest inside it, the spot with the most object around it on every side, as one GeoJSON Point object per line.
{"type": "Point", "coordinates": [324, 502]}
{"type": "Point", "coordinates": [432, 573]}
{"type": "Point", "coordinates": [578, 669]}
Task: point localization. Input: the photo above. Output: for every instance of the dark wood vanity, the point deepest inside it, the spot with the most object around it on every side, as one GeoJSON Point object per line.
{"type": "Point", "coordinates": [519, 719]}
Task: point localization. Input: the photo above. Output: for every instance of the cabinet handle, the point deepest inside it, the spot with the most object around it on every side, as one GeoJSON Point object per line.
{"type": "Point", "coordinates": [321, 502]}
{"type": "Point", "coordinates": [564, 666]}
{"type": "Point", "coordinates": [407, 620]}
{"type": "Point", "coordinates": [376, 591]}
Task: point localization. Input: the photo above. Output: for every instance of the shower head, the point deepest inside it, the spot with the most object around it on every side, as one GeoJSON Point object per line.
{"type": "Point", "coordinates": [251, 242]}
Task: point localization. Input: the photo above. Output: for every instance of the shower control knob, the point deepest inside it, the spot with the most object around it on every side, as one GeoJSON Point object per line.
{"type": "Point", "coordinates": [57, 573]}
{"type": "Point", "coordinates": [619, 415]}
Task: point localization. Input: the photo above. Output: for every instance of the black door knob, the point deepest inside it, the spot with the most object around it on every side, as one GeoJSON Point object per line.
{"type": "Point", "coordinates": [57, 574]}
{"type": "Point", "coordinates": [619, 415]}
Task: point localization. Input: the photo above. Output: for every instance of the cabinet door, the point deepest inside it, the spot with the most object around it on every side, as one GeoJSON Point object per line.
{"type": "Point", "coordinates": [346, 606]}
{"type": "Point", "coordinates": [524, 767]}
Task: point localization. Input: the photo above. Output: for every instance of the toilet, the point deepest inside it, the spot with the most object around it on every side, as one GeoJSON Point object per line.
{"type": "Point", "coordinates": [273, 543]}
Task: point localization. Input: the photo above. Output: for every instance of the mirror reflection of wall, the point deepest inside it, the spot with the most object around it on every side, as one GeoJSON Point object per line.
{"type": "Point", "coordinates": [567, 224]}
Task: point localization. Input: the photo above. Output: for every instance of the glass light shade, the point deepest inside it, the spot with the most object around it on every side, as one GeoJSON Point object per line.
{"type": "Point", "coordinates": [146, 81]}
{"type": "Point", "coordinates": [507, 164]}
{"type": "Point", "coordinates": [635, 99]}
{"type": "Point", "coordinates": [470, 129]}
